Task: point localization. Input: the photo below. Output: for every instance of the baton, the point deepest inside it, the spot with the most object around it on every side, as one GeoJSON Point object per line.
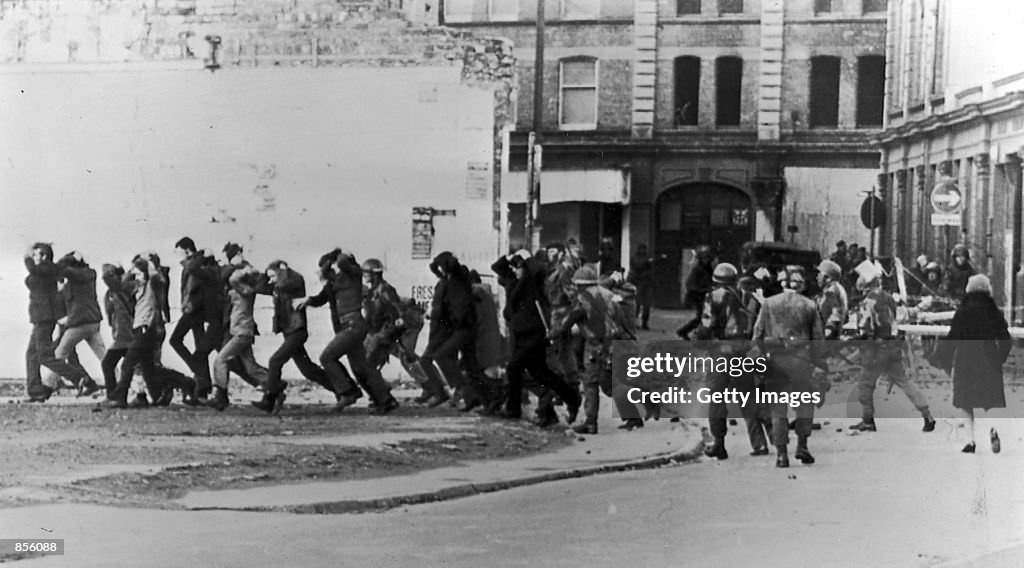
{"type": "Point", "coordinates": [540, 312]}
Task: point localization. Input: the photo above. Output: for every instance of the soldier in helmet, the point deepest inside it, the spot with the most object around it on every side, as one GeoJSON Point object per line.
{"type": "Point", "coordinates": [726, 318]}
{"type": "Point", "coordinates": [958, 272]}
{"type": "Point", "coordinates": [389, 332]}
{"type": "Point", "coordinates": [698, 284]}
{"type": "Point", "coordinates": [789, 329]}
{"type": "Point", "coordinates": [881, 353]}
{"type": "Point", "coordinates": [589, 309]}
{"type": "Point", "coordinates": [343, 291]}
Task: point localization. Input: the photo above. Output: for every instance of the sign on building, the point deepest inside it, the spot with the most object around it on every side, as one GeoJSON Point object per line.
{"type": "Point", "coordinates": [947, 202]}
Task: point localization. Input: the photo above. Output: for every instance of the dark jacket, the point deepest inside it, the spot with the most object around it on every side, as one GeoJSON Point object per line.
{"type": "Point", "coordinates": [698, 284]}
{"type": "Point", "coordinates": [954, 283]}
{"type": "Point", "coordinates": [382, 306]}
{"type": "Point", "coordinates": [194, 271]}
{"type": "Point", "coordinates": [974, 351]}
{"type": "Point", "coordinates": [522, 296]}
{"type": "Point", "coordinates": [455, 309]}
{"type": "Point", "coordinates": [641, 271]}
{"type": "Point", "coordinates": [291, 287]}
{"type": "Point", "coordinates": [44, 305]}
{"type": "Point", "coordinates": [118, 305]}
{"type": "Point", "coordinates": [82, 307]}
{"type": "Point", "coordinates": [343, 290]}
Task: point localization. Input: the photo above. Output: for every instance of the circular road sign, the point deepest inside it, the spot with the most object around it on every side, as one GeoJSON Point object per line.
{"type": "Point", "coordinates": [946, 196]}
{"type": "Point", "coordinates": [872, 212]}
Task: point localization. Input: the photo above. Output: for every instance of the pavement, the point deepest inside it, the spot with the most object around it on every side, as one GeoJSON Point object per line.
{"type": "Point", "coordinates": [659, 443]}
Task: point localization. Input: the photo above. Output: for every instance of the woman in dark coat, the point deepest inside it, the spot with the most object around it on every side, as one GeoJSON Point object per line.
{"type": "Point", "coordinates": [975, 359]}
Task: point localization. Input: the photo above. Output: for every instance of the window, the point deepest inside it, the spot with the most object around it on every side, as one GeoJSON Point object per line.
{"type": "Point", "coordinates": [728, 90]}
{"type": "Point", "coordinates": [687, 90]}
{"type": "Point", "coordinates": [503, 10]}
{"type": "Point", "coordinates": [824, 112]}
{"type": "Point", "coordinates": [870, 90]}
{"type": "Point", "coordinates": [687, 7]}
{"type": "Point", "coordinates": [458, 10]}
{"type": "Point", "coordinates": [875, 5]}
{"type": "Point", "coordinates": [730, 6]}
{"type": "Point", "coordinates": [578, 93]}
{"type": "Point", "coordinates": [822, 6]}
{"type": "Point", "coordinates": [579, 9]}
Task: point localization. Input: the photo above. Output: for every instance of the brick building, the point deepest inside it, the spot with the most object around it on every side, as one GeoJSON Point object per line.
{"type": "Point", "coordinates": [955, 115]}
{"type": "Point", "coordinates": [681, 122]}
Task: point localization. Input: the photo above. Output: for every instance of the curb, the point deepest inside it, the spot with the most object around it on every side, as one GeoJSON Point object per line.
{"type": "Point", "coordinates": [459, 491]}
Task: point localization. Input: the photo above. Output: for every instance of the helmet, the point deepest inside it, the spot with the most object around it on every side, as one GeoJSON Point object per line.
{"type": "Point", "coordinates": [933, 267]}
{"type": "Point", "coordinates": [724, 273]}
{"type": "Point", "coordinates": [586, 275]}
{"type": "Point", "coordinates": [830, 269]}
{"type": "Point", "coordinates": [961, 250]}
{"type": "Point", "coordinates": [372, 265]}
{"type": "Point", "coordinates": [704, 252]}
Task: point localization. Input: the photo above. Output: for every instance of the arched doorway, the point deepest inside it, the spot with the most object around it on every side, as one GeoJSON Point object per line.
{"type": "Point", "coordinates": [695, 214]}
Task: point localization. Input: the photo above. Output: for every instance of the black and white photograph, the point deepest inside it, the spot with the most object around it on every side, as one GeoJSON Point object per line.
{"type": "Point", "coordinates": [475, 283]}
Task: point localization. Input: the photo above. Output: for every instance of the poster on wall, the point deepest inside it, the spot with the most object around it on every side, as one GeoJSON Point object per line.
{"type": "Point", "coordinates": [422, 232]}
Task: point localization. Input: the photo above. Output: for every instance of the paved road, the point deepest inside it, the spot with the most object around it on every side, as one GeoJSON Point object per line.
{"type": "Point", "coordinates": [893, 498]}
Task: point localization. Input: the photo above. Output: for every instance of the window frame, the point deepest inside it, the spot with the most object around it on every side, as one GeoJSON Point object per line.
{"type": "Point", "coordinates": [831, 7]}
{"type": "Point", "coordinates": [562, 87]}
{"type": "Point", "coordinates": [884, 9]}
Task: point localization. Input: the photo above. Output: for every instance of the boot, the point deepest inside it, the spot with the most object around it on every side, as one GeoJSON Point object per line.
{"type": "Point", "coordinates": [347, 400]}
{"type": "Point", "coordinates": [423, 397]}
{"type": "Point", "coordinates": [279, 399]}
{"type": "Point", "coordinates": [585, 428]}
{"type": "Point", "coordinates": [759, 452]}
{"type": "Point", "coordinates": [631, 424]}
{"type": "Point", "coordinates": [865, 425]}
{"type": "Point", "coordinates": [87, 387]}
{"type": "Point", "coordinates": [382, 409]}
{"type": "Point", "coordinates": [783, 457]}
{"type": "Point", "coordinates": [266, 404]}
{"type": "Point", "coordinates": [929, 422]}
{"type": "Point", "coordinates": [802, 453]}
{"type": "Point", "coordinates": [652, 410]}
{"type": "Point", "coordinates": [219, 400]}
{"type": "Point", "coordinates": [717, 450]}
{"type": "Point", "coordinates": [969, 448]}
{"type": "Point", "coordinates": [165, 397]}
{"type": "Point", "coordinates": [545, 417]}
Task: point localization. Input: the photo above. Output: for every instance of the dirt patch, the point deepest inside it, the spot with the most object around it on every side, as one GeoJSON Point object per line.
{"type": "Point", "coordinates": [148, 457]}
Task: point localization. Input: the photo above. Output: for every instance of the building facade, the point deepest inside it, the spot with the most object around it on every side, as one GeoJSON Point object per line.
{"type": "Point", "coordinates": [955, 117]}
{"type": "Point", "coordinates": [676, 123]}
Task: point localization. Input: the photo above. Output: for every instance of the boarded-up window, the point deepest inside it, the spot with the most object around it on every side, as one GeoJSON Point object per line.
{"type": "Point", "coordinates": [578, 90]}
{"type": "Point", "coordinates": [728, 90]}
{"type": "Point", "coordinates": [870, 90]}
{"type": "Point", "coordinates": [730, 6]}
{"type": "Point", "coordinates": [876, 5]}
{"type": "Point", "coordinates": [686, 7]}
{"type": "Point", "coordinates": [824, 111]}
{"type": "Point", "coordinates": [687, 90]}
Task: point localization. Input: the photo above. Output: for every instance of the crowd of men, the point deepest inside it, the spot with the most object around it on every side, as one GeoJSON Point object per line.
{"type": "Point", "coordinates": [561, 314]}
{"type": "Point", "coordinates": [755, 309]}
